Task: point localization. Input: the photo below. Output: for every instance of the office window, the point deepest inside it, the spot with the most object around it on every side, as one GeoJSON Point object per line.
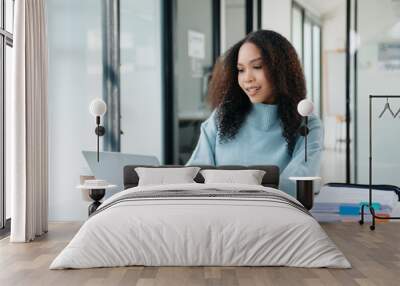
{"type": "Point", "coordinates": [316, 67]}
{"type": "Point", "coordinates": [6, 43]}
{"type": "Point", "coordinates": [306, 39]}
{"type": "Point", "coordinates": [233, 23]}
{"type": "Point", "coordinates": [307, 59]}
{"type": "Point", "coordinates": [297, 30]}
{"type": "Point", "coordinates": [9, 15]}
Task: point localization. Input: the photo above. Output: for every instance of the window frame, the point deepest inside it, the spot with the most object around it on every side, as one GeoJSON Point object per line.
{"type": "Point", "coordinates": [6, 39]}
{"type": "Point", "coordinates": [307, 16]}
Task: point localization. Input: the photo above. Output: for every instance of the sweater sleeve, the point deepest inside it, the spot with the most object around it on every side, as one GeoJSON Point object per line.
{"type": "Point", "coordinates": [204, 153]}
{"type": "Point", "coordinates": [297, 167]}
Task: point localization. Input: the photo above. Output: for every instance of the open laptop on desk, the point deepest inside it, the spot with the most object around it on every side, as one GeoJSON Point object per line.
{"type": "Point", "coordinates": [111, 165]}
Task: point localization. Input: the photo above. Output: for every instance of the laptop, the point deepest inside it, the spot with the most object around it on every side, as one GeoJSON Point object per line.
{"type": "Point", "coordinates": [111, 165]}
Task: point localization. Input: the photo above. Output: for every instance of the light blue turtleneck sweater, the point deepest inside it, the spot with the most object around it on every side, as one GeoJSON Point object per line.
{"type": "Point", "coordinates": [259, 141]}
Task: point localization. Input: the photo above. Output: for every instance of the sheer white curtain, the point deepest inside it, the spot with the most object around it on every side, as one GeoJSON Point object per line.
{"type": "Point", "coordinates": [28, 121]}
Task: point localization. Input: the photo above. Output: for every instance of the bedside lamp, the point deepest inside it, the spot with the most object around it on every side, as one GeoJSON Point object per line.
{"type": "Point", "coordinates": [97, 108]}
{"type": "Point", "coordinates": [305, 108]}
{"type": "Point", "coordinates": [304, 185]}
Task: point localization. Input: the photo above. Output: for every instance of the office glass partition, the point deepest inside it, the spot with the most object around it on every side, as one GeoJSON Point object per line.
{"type": "Point", "coordinates": [9, 15]}
{"type": "Point", "coordinates": [233, 22]}
{"type": "Point", "coordinates": [297, 30]}
{"type": "Point", "coordinates": [6, 59]}
{"type": "Point", "coordinates": [75, 78]}
{"type": "Point", "coordinates": [316, 68]}
{"type": "Point", "coordinates": [307, 61]}
{"type": "Point", "coordinates": [140, 72]}
{"type": "Point", "coordinates": [306, 39]}
{"type": "Point", "coordinates": [193, 62]}
{"type": "Point", "coordinates": [378, 72]}
{"type": "Point", "coordinates": [8, 80]}
{"type": "Point", "coordinates": [352, 161]}
{"type": "Point", "coordinates": [2, 138]}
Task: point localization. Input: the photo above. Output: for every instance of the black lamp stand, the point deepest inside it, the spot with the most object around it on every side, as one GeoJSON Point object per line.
{"type": "Point", "coordinates": [100, 131]}
{"type": "Point", "coordinates": [304, 132]}
{"type": "Point", "coordinates": [370, 207]}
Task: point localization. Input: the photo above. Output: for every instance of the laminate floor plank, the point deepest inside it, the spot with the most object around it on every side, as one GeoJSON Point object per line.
{"type": "Point", "coordinates": [374, 255]}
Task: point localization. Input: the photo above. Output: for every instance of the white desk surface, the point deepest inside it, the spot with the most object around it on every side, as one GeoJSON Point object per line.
{"type": "Point", "coordinates": [95, 187]}
{"type": "Point", "coordinates": [304, 178]}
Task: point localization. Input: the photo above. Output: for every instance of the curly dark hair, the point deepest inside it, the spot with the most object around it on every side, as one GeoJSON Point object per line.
{"type": "Point", "coordinates": [284, 72]}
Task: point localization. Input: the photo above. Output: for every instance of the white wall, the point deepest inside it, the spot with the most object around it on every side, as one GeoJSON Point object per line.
{"type": "Point", "coordinates": [276, 16]}
{"type": "Point", "coordinates": [75, 78]}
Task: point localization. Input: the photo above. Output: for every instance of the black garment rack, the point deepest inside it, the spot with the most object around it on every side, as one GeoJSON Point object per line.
{"type": "Point", "coordinates": [370, 207]}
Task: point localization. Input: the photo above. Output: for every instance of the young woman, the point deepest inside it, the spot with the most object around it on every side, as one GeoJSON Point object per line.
{"type": "Point", "coordinates": [255, 90]}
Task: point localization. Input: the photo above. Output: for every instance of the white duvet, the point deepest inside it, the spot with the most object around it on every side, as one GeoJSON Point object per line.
{"type": "Point", "coordinates": [200, 231]}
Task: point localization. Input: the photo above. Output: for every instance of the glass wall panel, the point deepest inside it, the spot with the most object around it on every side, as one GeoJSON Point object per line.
{"type": "Point", "coordinates": [255, 15]}
{"type": "Point", "coordinates": [353, 93]}
{"type": "Point", "coordinates": [233, 22]}
{"type": "Point", "coordinates": [307, 62]}
{"type": "Point", "coordinates": [141, 104]}
{"type": "Point", "coordinates": [7, 79]}
{"type": "Point", "coordinates": [297, 31]}
{"type": "Point", "coordinates": [316, 68]}
{"type": "Point", "coordinates": [2, 137]}
{"type": "Point", "coordinates": [9, 9]}
{"type": "Point", "coordinates": [5, 107]}
{"type": "Point", "coordinates": [76, 43]}
{"type": "Point", "coordinates": [192, 64]}
{"type": "Point", "coordinates": [378, 72]}
{"type": "Point", "coordinates": [1, 15]}
{"type": "Point", "coordinates": [75, 78]}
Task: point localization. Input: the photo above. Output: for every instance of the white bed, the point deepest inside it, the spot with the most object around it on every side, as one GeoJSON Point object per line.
{"type": "Point", "coordinates": [207, 230]}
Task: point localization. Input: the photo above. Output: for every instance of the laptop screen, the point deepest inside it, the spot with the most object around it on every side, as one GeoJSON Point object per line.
{"type": "Point", "coordinates": [111, 165]}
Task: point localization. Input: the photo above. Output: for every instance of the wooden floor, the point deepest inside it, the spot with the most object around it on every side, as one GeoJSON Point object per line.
{"type": "Point", "coordinates": [375, 257]}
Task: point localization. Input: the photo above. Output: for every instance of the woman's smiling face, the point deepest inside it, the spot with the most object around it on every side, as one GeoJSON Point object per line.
{"type": "Point", "coordinates": [252, 75]}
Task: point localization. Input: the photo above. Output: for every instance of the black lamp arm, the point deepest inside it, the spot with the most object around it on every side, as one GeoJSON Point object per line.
{"type": "Point", "coordinates": [304, 132]}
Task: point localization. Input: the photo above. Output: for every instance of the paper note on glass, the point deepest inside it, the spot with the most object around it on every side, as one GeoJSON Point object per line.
{"type": "Point", "coordinates": [196, 44]}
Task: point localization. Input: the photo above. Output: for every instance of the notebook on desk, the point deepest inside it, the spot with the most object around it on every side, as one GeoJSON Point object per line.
{"type": "Point", "coordinates": [111, 165]}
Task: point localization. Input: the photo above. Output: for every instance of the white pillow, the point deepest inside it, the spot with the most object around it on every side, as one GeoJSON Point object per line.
{"type": "Point", "coordinates": [163, 176]}
{"type": "Point", "coordinates": [248, 177]}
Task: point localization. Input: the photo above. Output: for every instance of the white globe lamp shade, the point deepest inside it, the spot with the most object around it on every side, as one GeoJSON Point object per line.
{"type": "Point", "coordinates": [305, 107]}
{"type": "Point", "coordinates": [97, 107]}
